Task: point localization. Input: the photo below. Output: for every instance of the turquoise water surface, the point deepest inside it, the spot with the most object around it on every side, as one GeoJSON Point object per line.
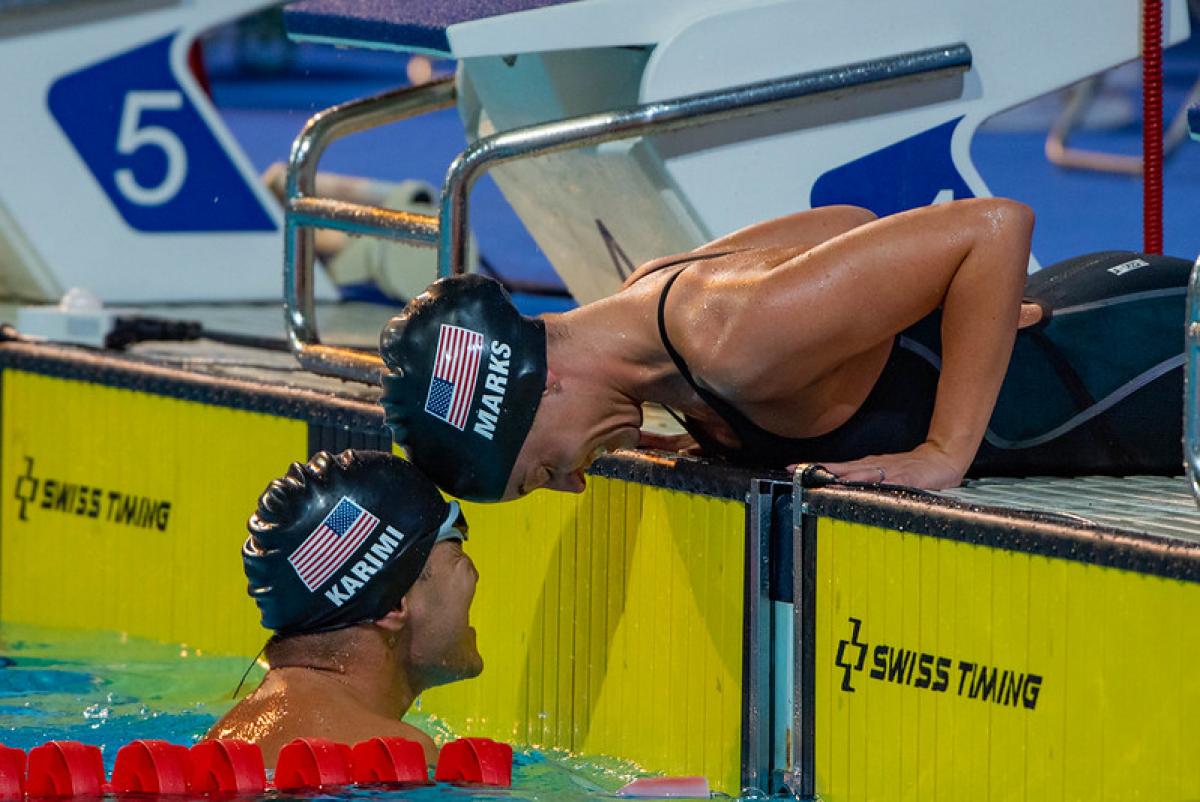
{"type": "Point", "coordinates": [108, 689]}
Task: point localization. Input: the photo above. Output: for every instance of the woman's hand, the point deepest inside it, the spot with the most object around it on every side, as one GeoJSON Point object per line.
{"type": "Point", "coordinates": [926, 466]}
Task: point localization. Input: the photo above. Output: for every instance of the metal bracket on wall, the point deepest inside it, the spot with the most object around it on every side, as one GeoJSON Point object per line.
{"type": "Point", "coordinates": [1191, 393]}
{"type": "Point", "coordinates": [799, 777]}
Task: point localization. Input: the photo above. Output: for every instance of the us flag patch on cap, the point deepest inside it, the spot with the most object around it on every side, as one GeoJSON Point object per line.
{"type": "Point", "coordinates": [455, 367]}
{"type": "Point", "coordinates": [332, 543]}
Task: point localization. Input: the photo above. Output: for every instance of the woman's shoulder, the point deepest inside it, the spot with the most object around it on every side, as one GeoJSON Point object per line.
{"type": "Point", "coordinates": [704, 254]}
{"type": "Point", "coordinates": [737, 336]}
{"type": "Point", "coordinates": [655, 265]}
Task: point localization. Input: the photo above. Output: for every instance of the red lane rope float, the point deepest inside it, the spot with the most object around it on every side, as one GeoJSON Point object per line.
{"type": "Point", "coordinates": [476, 761]}
{"type": "Point", "coordinates": [151, 767]}
{"type": "Point", "coordinates": [313, 763]}
{"type": "Point", "coordinates": [65, 768]}
{"type": "Point", "coordinates": [1152, 127]}
{"type": "Point", "coordinates": [227, 766]}
{"type": "Point", "coordinates": [389, 760]}
{"type": "Point", "coordinates": [12, 773]}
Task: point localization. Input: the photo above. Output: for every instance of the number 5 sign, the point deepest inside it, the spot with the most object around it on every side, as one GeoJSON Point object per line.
{"type": "Point", "coordinates": [149, 148]}
{"type": "Point", "coordinates": [134, 135]}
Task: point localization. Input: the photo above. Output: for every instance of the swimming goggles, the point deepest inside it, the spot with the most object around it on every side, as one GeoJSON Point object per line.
{"type": "Point", "coordinates": [454, 527]}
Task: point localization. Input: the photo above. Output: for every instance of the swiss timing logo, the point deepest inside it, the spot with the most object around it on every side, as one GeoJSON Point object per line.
{"type": "Point", "coordinates": [933, 672]}
{"type": "Point", "coordinates": [87, 501]}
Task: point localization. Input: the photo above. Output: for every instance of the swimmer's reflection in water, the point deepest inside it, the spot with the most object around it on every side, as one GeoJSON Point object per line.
{"type": "Point", "coordinates": [357, 564]}
{"type": "Point", "coordinates": [794, 340]}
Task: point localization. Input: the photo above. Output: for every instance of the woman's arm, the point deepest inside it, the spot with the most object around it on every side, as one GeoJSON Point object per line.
{"type": "Point", "coordinates": [801, 230]}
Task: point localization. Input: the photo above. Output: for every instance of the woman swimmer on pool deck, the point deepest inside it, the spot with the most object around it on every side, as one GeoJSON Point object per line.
{"type": "Point", "coordinates": [876, 347]}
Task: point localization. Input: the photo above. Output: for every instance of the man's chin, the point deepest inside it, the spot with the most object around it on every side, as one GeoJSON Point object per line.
{"type": "Point", "coordinates": [473, 666]}
{"type": "Point", "coordinates": [476, 669]}
{"type": "Point", "coordinates": [468, 667]}
{"type": "Point", "coordinates": [469, 664]}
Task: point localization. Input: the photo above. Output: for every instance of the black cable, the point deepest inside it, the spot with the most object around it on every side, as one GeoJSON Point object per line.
{"type": "Point", "coordinates": [130, 329]}
{"type": "Point", "coordinates": [250, 667]}
{"type": "Point", "coordinates": [246, 340]}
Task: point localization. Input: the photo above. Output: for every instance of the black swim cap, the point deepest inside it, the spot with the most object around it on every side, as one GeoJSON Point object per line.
{"type": "Point", "coordinates": [465, 373]}
{"type": "Point", "coordinates": [339, 541]}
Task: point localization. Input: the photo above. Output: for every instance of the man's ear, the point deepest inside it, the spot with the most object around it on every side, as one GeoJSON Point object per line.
{"type": "Point", "coordinates": [394, 620]}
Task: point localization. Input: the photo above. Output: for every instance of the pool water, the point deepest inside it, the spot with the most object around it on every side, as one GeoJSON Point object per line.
{"type": "Point", "coordinates": [109, 689]}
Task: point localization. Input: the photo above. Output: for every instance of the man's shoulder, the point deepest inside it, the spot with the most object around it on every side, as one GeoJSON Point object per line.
{"type": "Point", "coordinates": [274, 720]}
{"type": "Point", "coordinates": [392, 728]}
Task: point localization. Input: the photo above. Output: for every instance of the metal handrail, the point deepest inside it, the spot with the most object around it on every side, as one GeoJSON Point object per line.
{"type": "Point", "coordinates": [1191, 377]}
{"type": "Point", "coordinates": [303, 212]}
{"type": "Point", "coordinates": [669, 115]}
{"type": "Point", "coordinates": [534, 140]}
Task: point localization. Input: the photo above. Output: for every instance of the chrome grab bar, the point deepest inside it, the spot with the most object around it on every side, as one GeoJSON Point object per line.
{"type": "Point", "coordinates": [669, 115]}
{"type": "Point", "coordinates": [449, 230]}
{"type": "Point", "coordinates": [1191, 376]}
{"type": "Point", "coordinates": [303, 212]}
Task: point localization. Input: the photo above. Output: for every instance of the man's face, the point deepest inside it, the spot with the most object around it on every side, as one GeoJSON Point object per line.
{"type": "Point", "coordinates": [443, 641]}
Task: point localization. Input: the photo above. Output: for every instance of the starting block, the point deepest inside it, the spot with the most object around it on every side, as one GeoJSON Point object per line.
{"type": "Point", "coordinates": [120, 176]}
{"type": "Point", "coordinates": [601, 201]}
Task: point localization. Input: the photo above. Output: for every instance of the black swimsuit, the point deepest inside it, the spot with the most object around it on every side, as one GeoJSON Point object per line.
{"type": "Point", "coordinates": [1097, 387]}
{"type": "Point", "coordinates": [894, 417]}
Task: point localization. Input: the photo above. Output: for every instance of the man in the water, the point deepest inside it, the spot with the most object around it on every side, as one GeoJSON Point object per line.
{"type": "Point", "coordinates": [801, 339]}
{"type": "Point", "coordinates": [356, 564]}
